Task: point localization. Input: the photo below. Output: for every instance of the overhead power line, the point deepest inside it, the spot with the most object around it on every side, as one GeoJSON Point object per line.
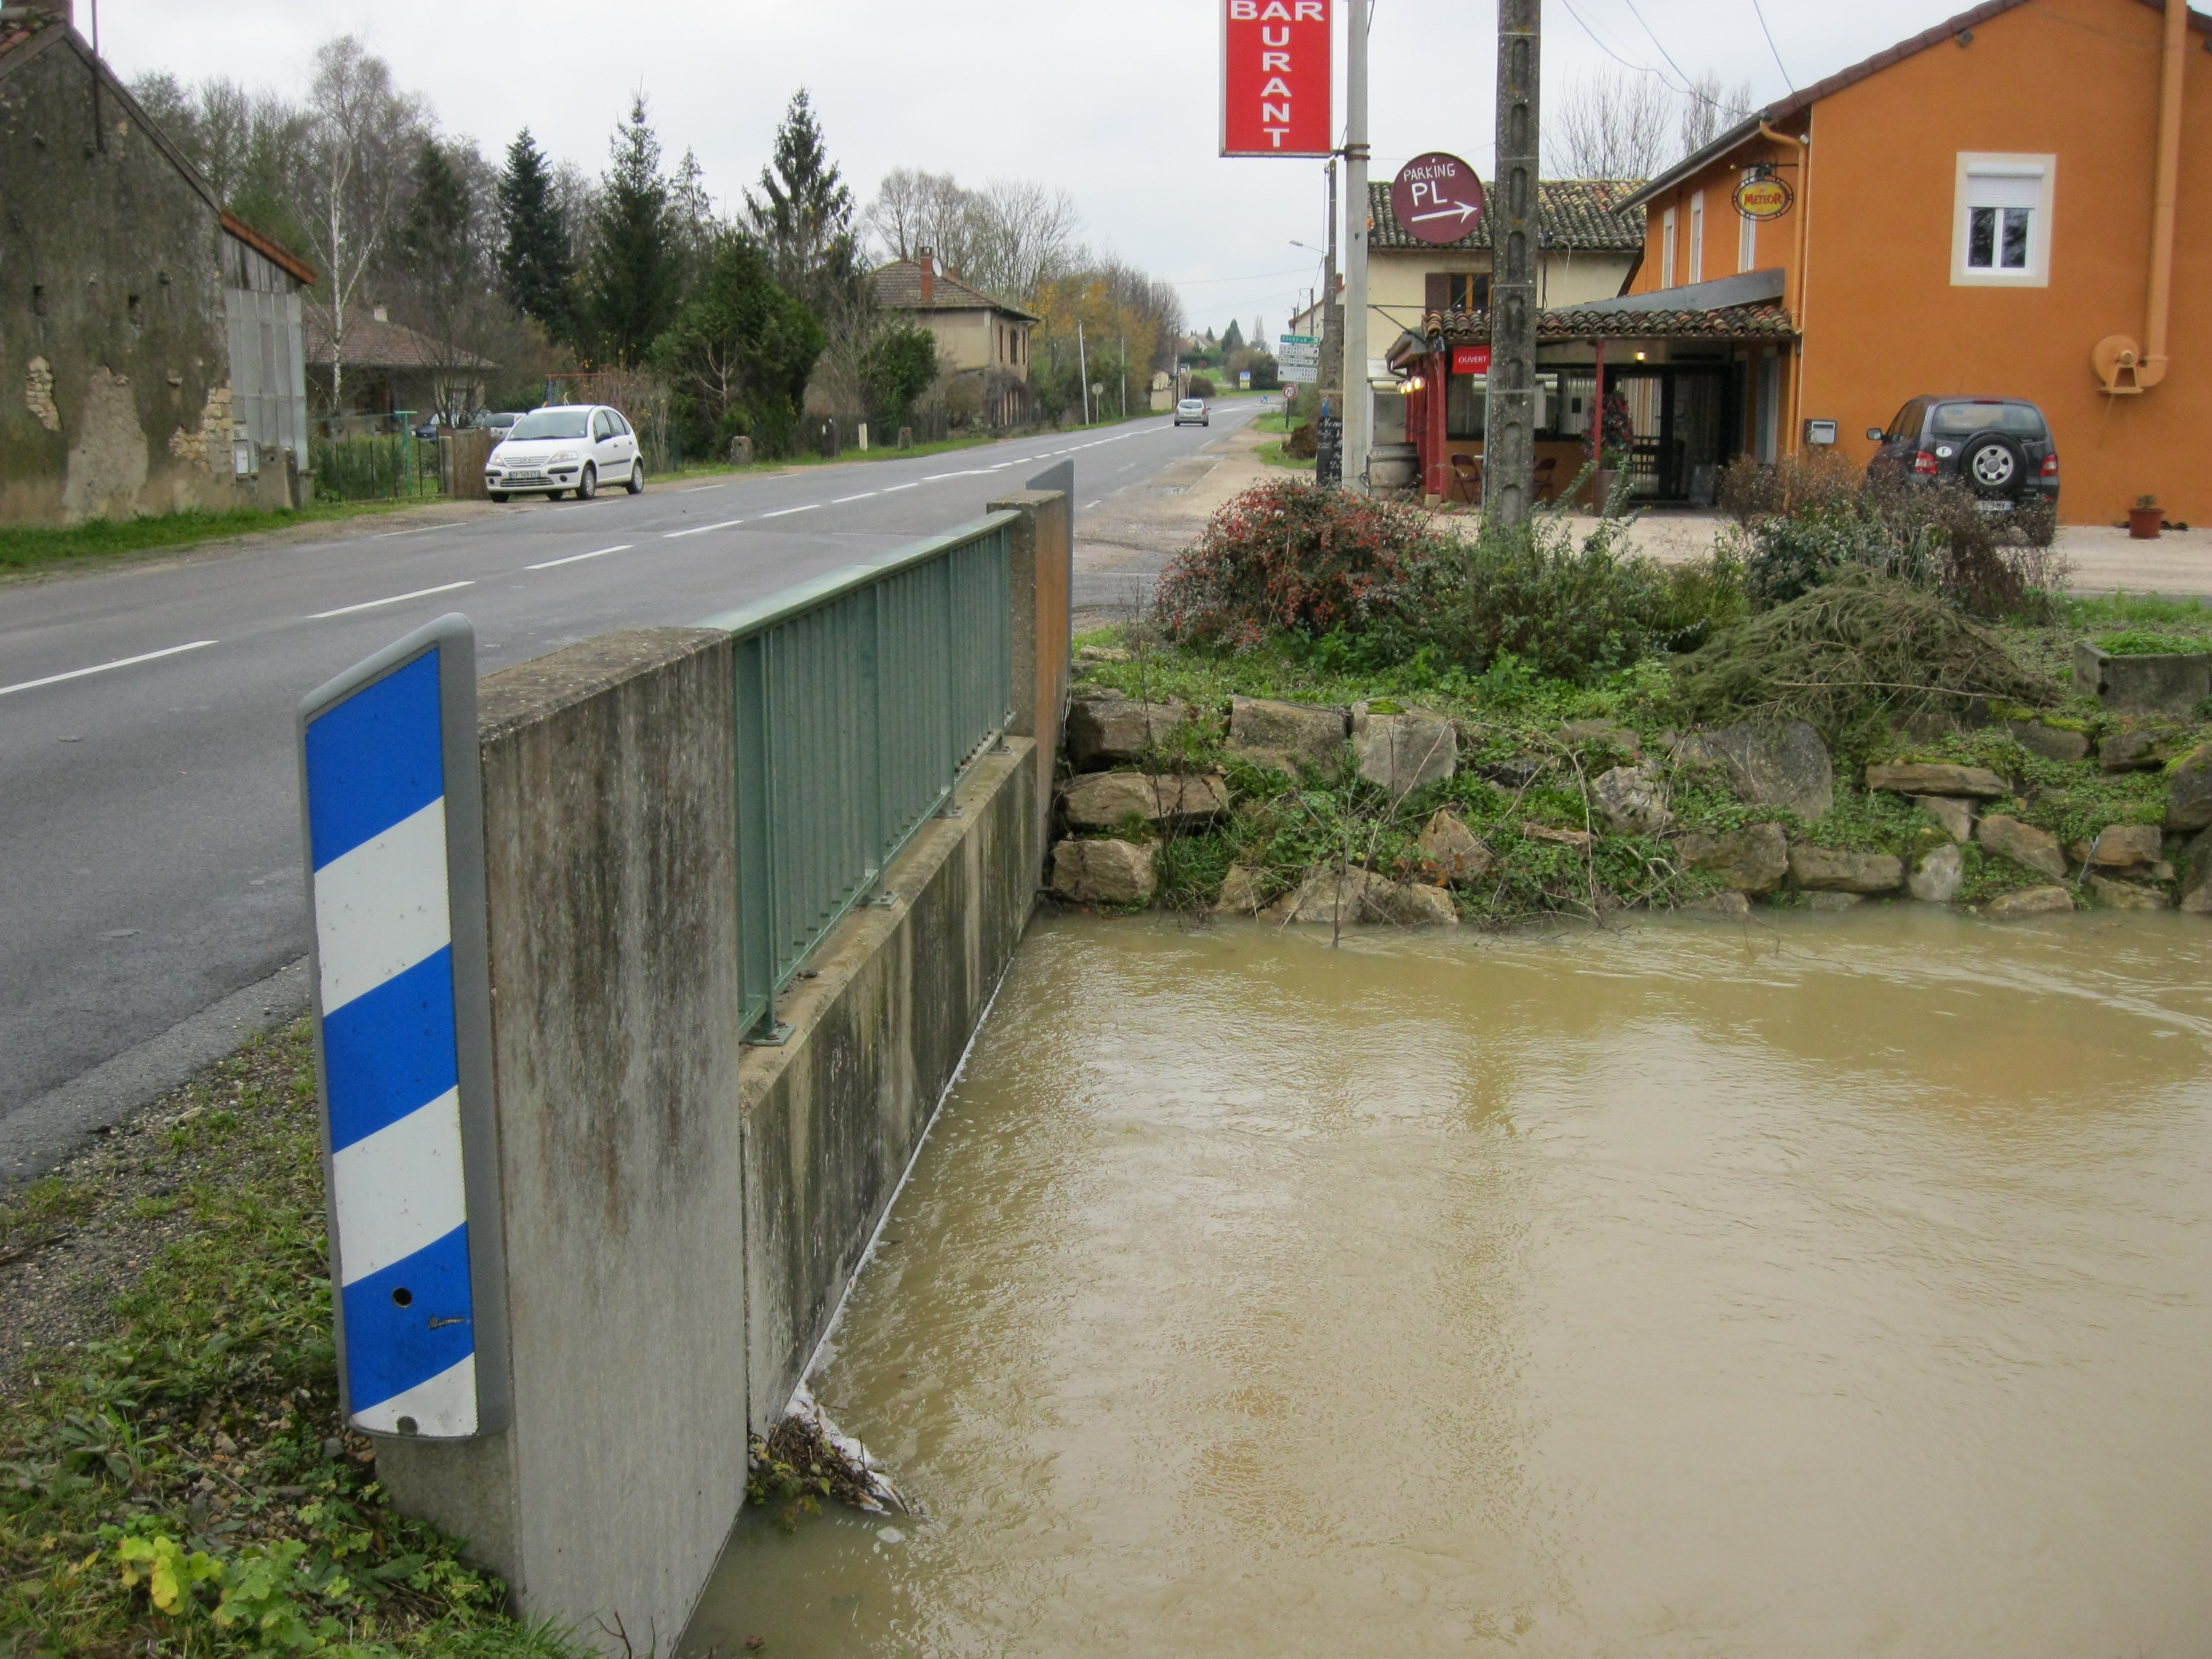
{"type": "Point", "coordinates": [1759, 12]}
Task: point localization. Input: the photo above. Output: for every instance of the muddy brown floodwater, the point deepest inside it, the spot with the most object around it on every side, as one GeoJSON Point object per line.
{"type": "Point", "coordinates": [1829, 1286]}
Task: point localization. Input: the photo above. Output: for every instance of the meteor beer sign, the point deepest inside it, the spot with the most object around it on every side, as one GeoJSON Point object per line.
{"type": "Point", "coordinates": [1275, 79]}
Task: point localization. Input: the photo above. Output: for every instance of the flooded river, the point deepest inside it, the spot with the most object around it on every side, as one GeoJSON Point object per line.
{"type": "Point", "coordinates": [1828, 1286]}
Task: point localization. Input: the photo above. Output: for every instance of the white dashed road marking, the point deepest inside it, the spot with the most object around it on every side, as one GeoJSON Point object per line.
{"type": "Point", "coordinates": [397, 598]}
{"type": "Point", "coordinates": [786, 511]}
{"type": "Point", "coordinates": [726, 524]}
{"type": "Point", "coordinates": [101, 668]}
{"type": "Point", "coordinates": [578, 558]}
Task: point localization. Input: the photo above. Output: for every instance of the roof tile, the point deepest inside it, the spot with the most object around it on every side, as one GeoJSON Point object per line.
{"type": "Point", "coordinates": [1583, 214]}
{"type": "Point", "coordinates": [898, 288]}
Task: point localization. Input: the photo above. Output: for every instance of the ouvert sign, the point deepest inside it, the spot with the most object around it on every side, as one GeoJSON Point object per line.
{"type": "Point", "coordinates": [1275, 77]}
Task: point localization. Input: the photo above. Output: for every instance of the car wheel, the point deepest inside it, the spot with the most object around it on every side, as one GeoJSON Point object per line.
{"type": "Point", "coordinates": [588, 485]}
{"type": "Point", "coordinates": [499, 495]}
{"type": "Point", "coordinates": [636, 485]}
{"type": "Point", "coordinates": [1992, 465]}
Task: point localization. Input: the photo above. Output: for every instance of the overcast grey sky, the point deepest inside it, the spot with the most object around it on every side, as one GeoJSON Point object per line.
{"type": "Point", "coordinates": [1115, 102]}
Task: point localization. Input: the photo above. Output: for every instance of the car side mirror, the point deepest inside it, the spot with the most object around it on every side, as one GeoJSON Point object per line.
{"type": "Point", "coordinates": [1875, 435]}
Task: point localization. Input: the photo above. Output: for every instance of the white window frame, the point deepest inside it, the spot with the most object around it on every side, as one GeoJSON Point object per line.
{"type": "Point", "coordinates": [1973, 164]}
{"type": "Point", "coordinates": [1667, 249]}
{"type": "Point", "coordinates": [1698, 237]}
{"type": "Point", "coordinates": [1747, 242]}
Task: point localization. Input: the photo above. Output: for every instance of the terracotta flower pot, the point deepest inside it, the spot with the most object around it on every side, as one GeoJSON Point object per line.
{"type": "Point", "coordinates": [2143, 522]}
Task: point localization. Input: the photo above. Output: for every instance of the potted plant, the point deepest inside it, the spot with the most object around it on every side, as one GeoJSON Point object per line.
{"type": "Point", "coordinates": [2145, 518]}
{"type": "Point", "coordinates": [1611, 437]}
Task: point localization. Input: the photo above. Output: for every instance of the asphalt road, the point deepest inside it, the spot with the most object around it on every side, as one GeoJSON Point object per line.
{"type": "Point", "coordinates": [150, 836]}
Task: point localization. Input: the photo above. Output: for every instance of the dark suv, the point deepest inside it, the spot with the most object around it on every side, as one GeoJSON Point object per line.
{"type": "Point", "coordinates": [2000, 448]}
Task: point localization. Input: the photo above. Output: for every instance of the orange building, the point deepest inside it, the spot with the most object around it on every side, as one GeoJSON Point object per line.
{"type": "Point", "coordinates": [2016, 203]}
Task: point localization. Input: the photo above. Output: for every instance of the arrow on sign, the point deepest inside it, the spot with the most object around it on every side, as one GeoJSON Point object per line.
{"type": "Point", "coordinates": [1462, 210]}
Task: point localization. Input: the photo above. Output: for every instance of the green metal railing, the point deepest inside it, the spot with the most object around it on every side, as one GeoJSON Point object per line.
{"type": "Point", "coordinates": [862, 697]}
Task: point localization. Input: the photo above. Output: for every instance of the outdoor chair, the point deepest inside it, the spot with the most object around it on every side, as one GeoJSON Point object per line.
{"type": "Point", "coordinates": [1547, 477]}
{"type": "Point", "coordinates": [1466, 480]}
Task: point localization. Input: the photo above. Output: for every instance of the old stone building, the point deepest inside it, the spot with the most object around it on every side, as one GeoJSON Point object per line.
{"type": "Point", "coordinates": [150, 350]}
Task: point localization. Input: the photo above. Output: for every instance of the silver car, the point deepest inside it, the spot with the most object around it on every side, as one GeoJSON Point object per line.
{"type": "Point", "coordinates": [564, 447]}
{"type": "Point", "coordinates": [1193, 411]}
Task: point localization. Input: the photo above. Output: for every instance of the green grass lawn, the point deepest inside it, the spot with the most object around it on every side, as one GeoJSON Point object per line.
{"type": "Point", "coordinates": [29, 547]}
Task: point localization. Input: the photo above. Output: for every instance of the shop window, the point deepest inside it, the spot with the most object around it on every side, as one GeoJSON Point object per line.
{"type": "Point", "coordinates": [1698, 237]}
{"type": "Point", "coordinates": [1467, 292]}
{"type": "Point", "coordinates": [1667, 250]}
{"type": "Point", "coordinates": [2002, 233]}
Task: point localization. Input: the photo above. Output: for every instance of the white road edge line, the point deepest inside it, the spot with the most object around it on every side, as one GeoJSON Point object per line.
{"type": "Point", "coordinates": [578, 558]}
{"type": "Point", "coordinates": [397, 598]}
{"type": "Point", "coordinates": [726, 524]}
{"type": "Point", "coordinates": [699, 489]}
{"type": "Point", "coordinates": [862, 496]}
{"type": "Point", "coordinates": [386, 535]}
{"type": "Point", "coordinates": [786, 511]}
{"type": "Point", "coordinates": [890, 490]}
{"type": "Point", "coordinates": [101, 668]}
{"type": "Point", "coordinates": [1087, 506]}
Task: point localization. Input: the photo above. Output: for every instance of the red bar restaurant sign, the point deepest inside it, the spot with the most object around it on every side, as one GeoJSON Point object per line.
{"type": "Point", "coordinates": [1470, 360]}
{"type": "Point", "coordinates": [1276, 86]}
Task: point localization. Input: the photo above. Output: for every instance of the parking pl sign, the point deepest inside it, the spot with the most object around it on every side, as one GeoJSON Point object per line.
{"type": "Point", "coordinates": [1277, 94]}
{"type": "Point", "coordinates": [393, 822]}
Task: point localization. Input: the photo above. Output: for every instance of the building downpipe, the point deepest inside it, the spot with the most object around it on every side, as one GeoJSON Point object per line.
{"type": "Point", "coordinates": [2122, 366]}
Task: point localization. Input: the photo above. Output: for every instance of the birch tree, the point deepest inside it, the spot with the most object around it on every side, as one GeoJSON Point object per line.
{"type": "Point", "coordinates": [363, 138]}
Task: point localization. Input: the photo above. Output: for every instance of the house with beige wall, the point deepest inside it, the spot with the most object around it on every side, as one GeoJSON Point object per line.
{"type": "Point", "coordinates": [977, 334]}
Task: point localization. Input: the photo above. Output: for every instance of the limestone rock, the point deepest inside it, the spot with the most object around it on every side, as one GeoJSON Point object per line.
{"type": "Point", "coordinates": [2140, 750]}
{"type": "Point", "coordinates": [1785, 765]}
{"type": "Point", "coordinates": [2198, 903]}
{"type": "Point", "coordinates": [1821, 869]}
{"type": "Point", "coordinates": [1631, 801]}
{"type": "Point", "coordinates": [1728, 903]}
{"type": "Point", "coordinates": [2051, 742]}
{"type": "Point", "coordinates": [2121, 846]}
{"type": "Point", "coordinates": [1103, 872]}
{"type": "Point", "coordinates": [1938, 778]}
{"type": "Point", "coordinates": [1581, 840]}
{"type": "Point", "coordinates": [2023, 843]}
{"type": "Point", "coordinates": [1281, 734]}
{"type": "Point", "coordinates": [1417, 904]}
{"type": "Point", "coordinates": [1752, 861]}
{"type": "Point", "coordinates": [1240, 893]}
{"type": "Point", "coordinates": [1403, 752]}
{"type": "Point", "coordinates": [2118, 894]}
{"type": "Point", "coordinates": [1956, 816]}
{"type": "Point", "coordinates": [1453, 848]}
{"type": "Point", "coordinates": [1825, 901]}
{"type": "Point", "coordinates": [1103, 800]}
{"type": "Point", "coordinates": [1115, 732]}
{"type": "Point", "coordinates": [2189, 791]}
{"type": "Point", "coordinates": [2197, 867]}
{"type": "Point", "coordinates": [1935, 879]}
{"type": "Point", "coordinates": [2029, 902]}
{"type": "Point", "coordinates": [1330, 896]}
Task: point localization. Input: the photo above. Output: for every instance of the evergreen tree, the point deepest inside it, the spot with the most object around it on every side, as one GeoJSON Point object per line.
{"type": "Point", "coordinates": [534, 262]}
{"type": "Point", "coordinates": [435, 231]}
{"type": "Point", "coordinates": [803, 216]}
{"type": "Point", "coordinates": [633, 283]}
{"type": "Point", "coordinates": [1233, 340]}
{"type": "Point", "coordinates": [741, 349]}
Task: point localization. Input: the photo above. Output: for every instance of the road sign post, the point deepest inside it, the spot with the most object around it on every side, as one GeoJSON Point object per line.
{"type": "Point", "coordinates": [392, 805]}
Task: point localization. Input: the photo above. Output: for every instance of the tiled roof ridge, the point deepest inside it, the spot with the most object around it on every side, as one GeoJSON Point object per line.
{"type": "Point", "coordinates": [1764, 321]}
{"type": "Point", "coordinates": [905, 277]}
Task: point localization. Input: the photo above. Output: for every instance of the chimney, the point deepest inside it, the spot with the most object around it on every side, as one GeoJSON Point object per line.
{"type": "Point", "coordinates": [381, 314]}
{"type": "Point", "coordinates": [927, 260]}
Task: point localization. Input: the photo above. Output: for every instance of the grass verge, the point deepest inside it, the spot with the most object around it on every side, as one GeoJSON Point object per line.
{"type": "Point", "coordinates": [26, 547]}
{"type": "Point", "coordinates": [174, 1475]}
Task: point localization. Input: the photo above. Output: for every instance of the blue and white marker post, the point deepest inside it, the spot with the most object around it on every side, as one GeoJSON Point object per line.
{"type": "Point", "coordinates": [392, 799]}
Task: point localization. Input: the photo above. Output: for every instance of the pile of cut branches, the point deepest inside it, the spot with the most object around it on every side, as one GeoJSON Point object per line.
{"type": "Point", "coordinates": [1860, 645]}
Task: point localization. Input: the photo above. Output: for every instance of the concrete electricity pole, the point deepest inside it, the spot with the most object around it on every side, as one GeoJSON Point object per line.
{"type": "Point", "coordinates": [1358, 396]}
{"type": "Point", "coordinates": [1509, 444]}
{"type": "Point", "coordinates": [1332, 328]}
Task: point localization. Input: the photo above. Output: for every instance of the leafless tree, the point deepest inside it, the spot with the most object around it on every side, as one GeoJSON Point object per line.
{"type": "Point", "coordinates": [1612, 125]}
{"type": "Point", "coordinates": [362, 139]}
{"type": "Point", "coordinates": [1024, 232]}
{"type": "Point", "coordinates": [1711, 109]}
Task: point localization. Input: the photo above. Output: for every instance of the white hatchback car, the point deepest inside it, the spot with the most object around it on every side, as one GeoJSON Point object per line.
{"type": "Point", "coordinates": [566, 446]}
{"type": "Point", "coordinates": [1193, 410]}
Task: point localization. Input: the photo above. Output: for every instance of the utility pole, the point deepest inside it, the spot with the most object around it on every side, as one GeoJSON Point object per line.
{"type": "Point", "coordinates": [1122, 356]}
{"type": "Point", "coordinates": [1328, 467]}
{"type": "Point", "coordinates": [1358, 396]}
{"type": "Point", "coordinates": [1082, 368]}
{"type": "Point", "coordinates": [1509, 470]}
